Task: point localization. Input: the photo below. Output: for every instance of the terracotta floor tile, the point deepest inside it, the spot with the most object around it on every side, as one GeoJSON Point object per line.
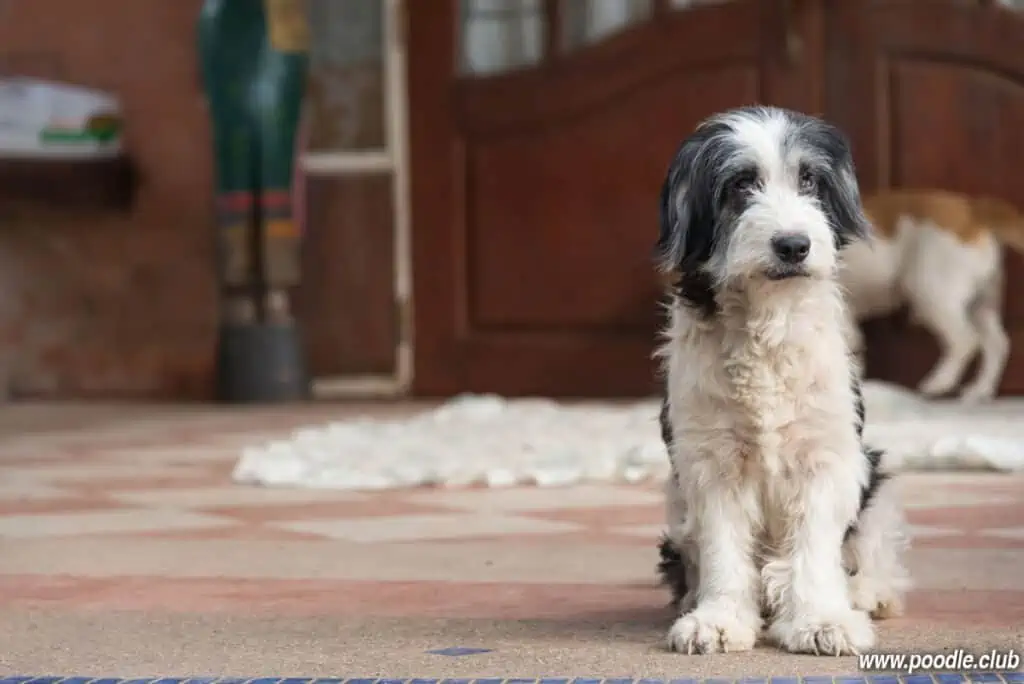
{"type": "Point", "coordinates": [649, 534]}
{"type": "Point", "coordinates": [435, 526]}
{"type": "Point", "coordinates": [93, 444]}
{"type": "Point", "coordinates": [32, 588]}
{"type": "Point", "coordinates": [241, 532]}
{"type": "Point", "coordinates": [955, 479]}
{"type": "Point", "coordinates": [945, 497]}
{"type": "Point", "coordinates": [318, 597]}
{"type": "Point", "coordinates": [31, 456]}
{"type": "Point", "coordinates": [581, 537]}
{"type": "Point", "coordinates": [15, 490]}
{"type": "Point", "coordinates": [173, 454]}
{"type": "Point", "coordinates": [100, 472]}
{"type": "Point", "coordinates": [234, 495]}
{"type": "Point", "coordinates": [522, 499]}
{"type": "Point", "coordinates": [651, 531]}
{"type": "Point", "coordinates": [69, 504]}
{"type": "Point", "coordinates": [970, 518]}
{"type": "Point", "coordinates": [119, 520]}
{"type": "Point", "coordinates": [967, 607]}
{"type": "Point", "coordinates": [201, 478]}
{"type": "Point", "coordinates": [606, 516]}
{"type": "Point", "coordinates": [1003, 532]}
{"type": "Point", "coordinates": [508, 601]}
{"type": "Point", "coordinates": [968, 541]}
{"type": "Point", "coordinates": [239, 440]}
{"type": "Point", "coordinates": [1002, 491]}
{"type": "Point", "coordinates": [918, 531]}
{"type": "Point", "coordinates": [502, 601]}
{"type": "Point", "coordinates": [373, 507]}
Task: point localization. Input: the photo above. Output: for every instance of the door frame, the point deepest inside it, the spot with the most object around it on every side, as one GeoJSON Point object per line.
{"type": "Point", "coordinates": [446, 353]}
{"type": "Point", "coordinates": [432, 38]}
{"type": "Point", "coordinates": [392, 160]}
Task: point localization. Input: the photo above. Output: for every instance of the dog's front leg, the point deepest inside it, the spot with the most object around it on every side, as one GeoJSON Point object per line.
{"type": "Point", "coordinates": [806, 585]}
{"type": "Point", "coordinates": [727, 614]}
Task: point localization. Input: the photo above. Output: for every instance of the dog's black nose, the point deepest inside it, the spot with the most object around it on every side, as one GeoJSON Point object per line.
{"type": "Point", "coordinates": [791, 249]}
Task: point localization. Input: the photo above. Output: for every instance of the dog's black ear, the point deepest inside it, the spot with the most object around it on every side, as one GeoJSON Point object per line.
{"type": "Point", "coordinates": [840, 192]}
{"type": "Point", "coordinates": [685, 230]}
{"type": "Point", "coordinates": [842, 203]}
{"type": "Point", "coordinates": [669, 250]}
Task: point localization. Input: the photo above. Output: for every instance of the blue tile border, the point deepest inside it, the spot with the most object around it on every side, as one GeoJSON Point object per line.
{"type": "Point", "coordinates": [922, 678]}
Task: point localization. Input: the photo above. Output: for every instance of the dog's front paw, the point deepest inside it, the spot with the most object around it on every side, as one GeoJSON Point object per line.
{"type": "Point", "coordinates": [879, 601]}
{"type": "Point", "coordinates": [848, 634]}
{"type": "Point", "coordinates": [712, 630]}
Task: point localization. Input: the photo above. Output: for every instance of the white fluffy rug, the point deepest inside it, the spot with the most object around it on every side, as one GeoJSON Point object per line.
{"type": "Point", "coordinates": [474, 440]}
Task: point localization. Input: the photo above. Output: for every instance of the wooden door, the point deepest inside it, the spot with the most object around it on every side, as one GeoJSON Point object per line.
{"type": "Point", "coordinates": [931, 93]}
{"type": "Point", "coordinates": [534, 188]}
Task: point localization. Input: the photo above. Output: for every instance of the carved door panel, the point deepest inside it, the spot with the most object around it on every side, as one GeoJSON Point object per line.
{"type": "Point", "coordinates": [540, 132]}
{"type": "Point", "coordinates": [932, 95]}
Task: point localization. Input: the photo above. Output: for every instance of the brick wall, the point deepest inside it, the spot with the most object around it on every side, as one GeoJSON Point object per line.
{"type": "Point", "coordinates": [115, 305]}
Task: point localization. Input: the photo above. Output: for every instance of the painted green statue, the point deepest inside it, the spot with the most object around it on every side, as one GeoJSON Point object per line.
{"type": "Point", "coordinates": [254, 56]}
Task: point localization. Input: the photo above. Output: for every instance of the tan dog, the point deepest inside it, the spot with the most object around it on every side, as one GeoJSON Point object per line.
{"type": "Point", "coordinates": [939, 253]}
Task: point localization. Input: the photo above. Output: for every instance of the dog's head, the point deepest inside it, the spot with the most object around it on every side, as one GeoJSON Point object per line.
{"type": "Point", "coordinates": [756, 196]}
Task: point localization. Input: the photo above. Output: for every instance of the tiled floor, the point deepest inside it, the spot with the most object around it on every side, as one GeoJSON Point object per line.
{"type": "Point", "coordinates": [109, 512]}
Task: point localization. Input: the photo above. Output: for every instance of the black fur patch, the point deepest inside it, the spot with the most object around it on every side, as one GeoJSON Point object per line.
{"type": "Point", "coordinates": [696, 291]}
{"type": "Point", "coordinates": [858, 400]}
{"type": "Point", "coordinates": [670, 566]}
{"type": "Point", "coordinates": [672, 570]}
{"type": "Point", "coordinates": [666, 425]}
{"type": "Point", "coordinates": [876, 478]}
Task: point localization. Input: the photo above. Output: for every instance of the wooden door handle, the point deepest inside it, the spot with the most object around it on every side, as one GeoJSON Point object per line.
{"type": "Point", "coordinates": [793, 41]}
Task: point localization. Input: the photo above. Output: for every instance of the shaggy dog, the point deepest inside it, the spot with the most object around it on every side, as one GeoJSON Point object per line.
{"type": "Point", "coordinates": [775, 508]}
{"type": "Point", "coordinates": [940, 253]}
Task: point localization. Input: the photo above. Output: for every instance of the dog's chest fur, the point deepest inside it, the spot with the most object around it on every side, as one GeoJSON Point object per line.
{"type": "Point", "coordinates": [769, 385]}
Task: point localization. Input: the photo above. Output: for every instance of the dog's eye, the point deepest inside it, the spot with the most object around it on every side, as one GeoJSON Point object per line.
{"type": "Point", "coordinates": [808, 181]}
{"type": "Point", "coordinates": [743, 182]}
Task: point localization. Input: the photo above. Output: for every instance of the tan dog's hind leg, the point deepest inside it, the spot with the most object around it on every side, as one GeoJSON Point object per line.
{"type": "Point", "coordinates": [943, 281]}
{"type": "Point", "coordinates": [987, 317]}
{"type": "Point", "coordinates": [950, 322]}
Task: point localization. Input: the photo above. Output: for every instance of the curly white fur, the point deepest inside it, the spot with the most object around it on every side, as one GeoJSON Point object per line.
{"type": "Point", "coordinates": [764, 430]}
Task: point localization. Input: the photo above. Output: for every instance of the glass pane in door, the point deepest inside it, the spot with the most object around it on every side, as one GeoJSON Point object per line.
{"type": "Point", "coordinates": [588, 21]}
{"type": "Point", "coordinates": [500, 35]}
{"type": "Point", "coordinates": [346, 82]}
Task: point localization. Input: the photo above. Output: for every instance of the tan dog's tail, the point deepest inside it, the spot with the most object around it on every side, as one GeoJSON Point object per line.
{"type": "Point", "coordinates": [1004, 220]}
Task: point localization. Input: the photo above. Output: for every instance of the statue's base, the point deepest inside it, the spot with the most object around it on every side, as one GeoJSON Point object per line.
{"type": "Point", "coordinates": [261, 363]}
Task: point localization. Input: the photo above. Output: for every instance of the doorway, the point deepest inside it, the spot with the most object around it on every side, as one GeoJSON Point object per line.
{"type": "Point", "coordinates": [353, 174]}
{"type": "Point", "coordinates": [542, 130]}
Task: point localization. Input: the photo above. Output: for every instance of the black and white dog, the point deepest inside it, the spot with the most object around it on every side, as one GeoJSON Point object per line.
{"type": "Point", "coordinates": [775, 509]}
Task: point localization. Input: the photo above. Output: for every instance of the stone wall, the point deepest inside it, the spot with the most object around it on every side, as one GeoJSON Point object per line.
{"type": "Point", "coordinates": [118, 304]}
